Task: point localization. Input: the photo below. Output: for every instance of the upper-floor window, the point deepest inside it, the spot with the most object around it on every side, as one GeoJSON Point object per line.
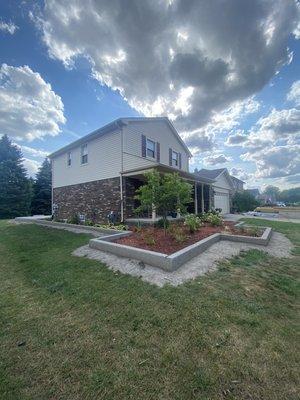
{"type": "Point", "coordinates": [150, 148]}
{"type": "Point", "coordinates": [175, 158]}
{"type": "Point", "coordinates": [69, 160]}
{"type": "Point", "coordinates": [84, 154]}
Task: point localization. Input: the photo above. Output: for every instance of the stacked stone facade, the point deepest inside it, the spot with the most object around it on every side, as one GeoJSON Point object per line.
{"type": "Point", "coordinates": [130, 185]}
{"type": "Point", "coordinates": [93, 199]}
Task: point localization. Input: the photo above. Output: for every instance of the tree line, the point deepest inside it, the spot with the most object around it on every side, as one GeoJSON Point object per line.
{"type": "Point", "coordinates": [19, 194]}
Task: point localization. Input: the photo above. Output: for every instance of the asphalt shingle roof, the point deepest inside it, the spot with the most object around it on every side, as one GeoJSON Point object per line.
{"type": "Point", "coordinates": [210, 173]}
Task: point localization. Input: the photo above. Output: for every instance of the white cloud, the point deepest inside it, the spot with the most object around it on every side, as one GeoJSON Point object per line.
{"type": "Point", "coordinates": [31, 166]}
{"type": "Point", "coordinates": [294, 93]}
{"type": "Point", "coordinates": [216, 159]}
{"type": "Point", "coordinates": [240, 173]}
{"type": "Point", "coordinates": [236, 139]}
{"type": "Point", "coordinates": [275, 162]}
{"type": "Point", "coordinates": [278, 125]}
{"type": "Point", "coordinates": [29, 108]}
{"type": "Point", "coordinates": [188, 60]}
{"type": "Point", "coordinates": [37, 153]}
{"type": "Point", "coordinates": [8, 27]}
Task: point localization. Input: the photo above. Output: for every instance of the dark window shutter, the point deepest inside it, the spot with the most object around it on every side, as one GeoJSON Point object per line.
{"type": "Point", "coordinates": [157, 151]}
{"type": "Point", "coordinates": [143, 146]}
{"type": "Point", "coordinates": [170, 157]}
{"type": "Point", "coordinates": [179, 161]}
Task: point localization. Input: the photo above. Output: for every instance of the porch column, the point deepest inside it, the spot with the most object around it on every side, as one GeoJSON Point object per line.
{"type": "Point", "coordinates": [202, 198]}
{"type": "Point", "coordinates": [196, 199]}
{"type": "Point", "coordinates": [210, 189]}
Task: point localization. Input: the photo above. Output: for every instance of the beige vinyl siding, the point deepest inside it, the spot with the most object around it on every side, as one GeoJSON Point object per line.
{"type": "Point", "coordinates": [222, 182]}
{"type": "Point", "coordinates": [104, 161]}
{"type": "Point", "coordinates": [158, 131]}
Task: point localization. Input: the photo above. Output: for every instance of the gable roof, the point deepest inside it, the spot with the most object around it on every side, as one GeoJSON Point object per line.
{"type": "Point", "coordinates": [118, 124]}
{"type": "Point", "coordinates": [210, 173]}
{"type": "Point", "coordinates": [236, 179]}
{"type": "Point", "coordinates": [214, 174]}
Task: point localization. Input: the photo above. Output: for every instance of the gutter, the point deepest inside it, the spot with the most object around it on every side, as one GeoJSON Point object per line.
{"type": "Point", "coordinates": [93, 135]}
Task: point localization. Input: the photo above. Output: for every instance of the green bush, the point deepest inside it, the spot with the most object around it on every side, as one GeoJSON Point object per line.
{"type": "Point", "coordinates": [74, 219]}
{"type": "Point", "coordinates": [214, 219]}
{"type": "Point", "coordinates": [192, 222]}
{"type": "Point", "coordinates": [119, 227]}
{"type": "Point", "coordinates": [149, 240]}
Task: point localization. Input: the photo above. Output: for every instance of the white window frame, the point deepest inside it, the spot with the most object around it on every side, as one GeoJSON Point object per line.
{"type": "Point", "coordinates": [84, 154]}
{"type": "Point", "coordinates": [69, 158]}
{"type": "Point", "coordinates": [175, 161]}
{"type": "Point", "coordinates": [150, 149]}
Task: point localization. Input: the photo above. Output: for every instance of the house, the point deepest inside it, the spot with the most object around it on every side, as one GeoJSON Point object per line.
{"type": "Point", "coordinates": [237, 183]}
{"type": "Point", "coordinates": [223, 187]}
{"type": "Point", "coordinates": [99, 173]}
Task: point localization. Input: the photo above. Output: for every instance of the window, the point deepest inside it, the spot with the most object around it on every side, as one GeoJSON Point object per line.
{"type": "Point", "coordinates": [69, 159]}
{"type": "Point", "coordinates": [150, 147]}
{"type": "Point", "coordinates": [84, 154]}
{"type": "Point", "coordinates": [175, 158]}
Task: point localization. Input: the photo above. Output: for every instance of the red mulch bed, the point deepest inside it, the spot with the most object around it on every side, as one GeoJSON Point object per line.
{"type": "Point", "coordinates": [167, 244]}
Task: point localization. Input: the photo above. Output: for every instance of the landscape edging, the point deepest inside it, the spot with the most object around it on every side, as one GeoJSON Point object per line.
{"type": "Point", "coordinates": [173, 261]}
{"type": "Point", "coordinates": [74, 226]}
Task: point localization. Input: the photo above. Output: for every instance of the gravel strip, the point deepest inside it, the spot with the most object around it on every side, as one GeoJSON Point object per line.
{"type": "Point", "coordinates": [279, 246]}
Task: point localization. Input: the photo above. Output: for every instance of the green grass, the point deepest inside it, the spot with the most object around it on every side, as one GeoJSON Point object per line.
{"type": "Point", "coordinates": [91, 333]}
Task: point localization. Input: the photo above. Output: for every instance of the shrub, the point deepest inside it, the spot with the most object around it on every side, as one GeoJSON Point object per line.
{"type": "Point", "coordinates": [74, 219]}
{"type": "Point", "coordinates": [177, 233]}
{"type": "Point", "coordinates": [119, 227]}
{"type": "Point", "coordinates": [192, 222]}
{"type": "Point", "coordinates": [214, 219]}
{"type": "Point", "coordinates": [149, 240]}
{"type": "Point", "coordinates": [252, 231]}
{"type": "Point", "coordinates": [161, 223]}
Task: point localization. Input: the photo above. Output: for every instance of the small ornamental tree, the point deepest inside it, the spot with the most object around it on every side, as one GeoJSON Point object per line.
{"type": "Point", "coordinates": [166, 193]}
{"type": "Point", "coordinates": [41, 202]}
{"type": "Point", "coordinates": [15, 187]}
{"type": "Point", "coordinates": [244, 201]}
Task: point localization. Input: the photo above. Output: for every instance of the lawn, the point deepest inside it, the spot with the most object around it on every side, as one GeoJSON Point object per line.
{"type": "Point", "coordinates": [72, 329]}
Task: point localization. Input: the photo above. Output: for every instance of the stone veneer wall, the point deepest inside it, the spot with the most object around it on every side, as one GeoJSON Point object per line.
{"type": "Point", "coordinates": [94, 199]}
{"type": "Point", "coordinates": [130, 185]}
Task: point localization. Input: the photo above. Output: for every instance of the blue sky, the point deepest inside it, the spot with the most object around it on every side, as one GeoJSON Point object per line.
{"type": "Point", "coordinates": [233, 95]}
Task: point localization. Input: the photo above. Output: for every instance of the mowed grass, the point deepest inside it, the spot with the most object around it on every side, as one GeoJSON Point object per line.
{"type": "Point", "coordinates": [72, 329]}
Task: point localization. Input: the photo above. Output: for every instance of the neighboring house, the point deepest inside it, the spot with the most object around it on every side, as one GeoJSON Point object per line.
{"type": "Point", "coordinates": [223, 187]}
{"type": "Point", "coordinates": [100, 172]}
{"type": "Point", "coordinates": [237, 183]}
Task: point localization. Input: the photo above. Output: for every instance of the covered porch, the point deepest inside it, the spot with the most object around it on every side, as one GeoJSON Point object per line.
{"type": "Point", "coordinates": [202, 194]}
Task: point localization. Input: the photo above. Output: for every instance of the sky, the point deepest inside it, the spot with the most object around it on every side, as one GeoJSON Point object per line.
{"type": "Point", "coordinates": [227, 73]}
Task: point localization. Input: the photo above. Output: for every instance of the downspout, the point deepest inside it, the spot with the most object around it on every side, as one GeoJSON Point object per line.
{"type": "Point", "coordinates": [196, 198]}
{"type": "Point", "coordinates": [121, 177]}
{"type": "Point", "coordinates": [52, 187]}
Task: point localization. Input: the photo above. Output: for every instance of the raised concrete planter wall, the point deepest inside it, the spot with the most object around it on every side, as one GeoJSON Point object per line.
{"type": "Point", "coordinates": [173, 261]}
{"type": "Point", "coordinates": [92, 229]}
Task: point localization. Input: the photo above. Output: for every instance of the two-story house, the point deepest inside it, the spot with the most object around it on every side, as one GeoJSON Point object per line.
{"type": "Point", "coordinates": [100, 172]}
{"type": "Point", "coordinates": [237, 183]}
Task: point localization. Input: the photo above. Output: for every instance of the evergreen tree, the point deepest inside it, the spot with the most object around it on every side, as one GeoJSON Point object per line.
{"type": "Point", "coordinates": [41, 202]}
{"type": "Point", "coordinates": [14, 185]}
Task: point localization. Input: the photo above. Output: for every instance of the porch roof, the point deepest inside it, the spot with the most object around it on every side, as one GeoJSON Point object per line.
{"type": "Point", "coordinates": [167, 169]}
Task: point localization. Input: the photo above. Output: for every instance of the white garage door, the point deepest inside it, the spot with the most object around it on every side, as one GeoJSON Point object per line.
{"type": "Point", "coordinates": [222, 201]}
